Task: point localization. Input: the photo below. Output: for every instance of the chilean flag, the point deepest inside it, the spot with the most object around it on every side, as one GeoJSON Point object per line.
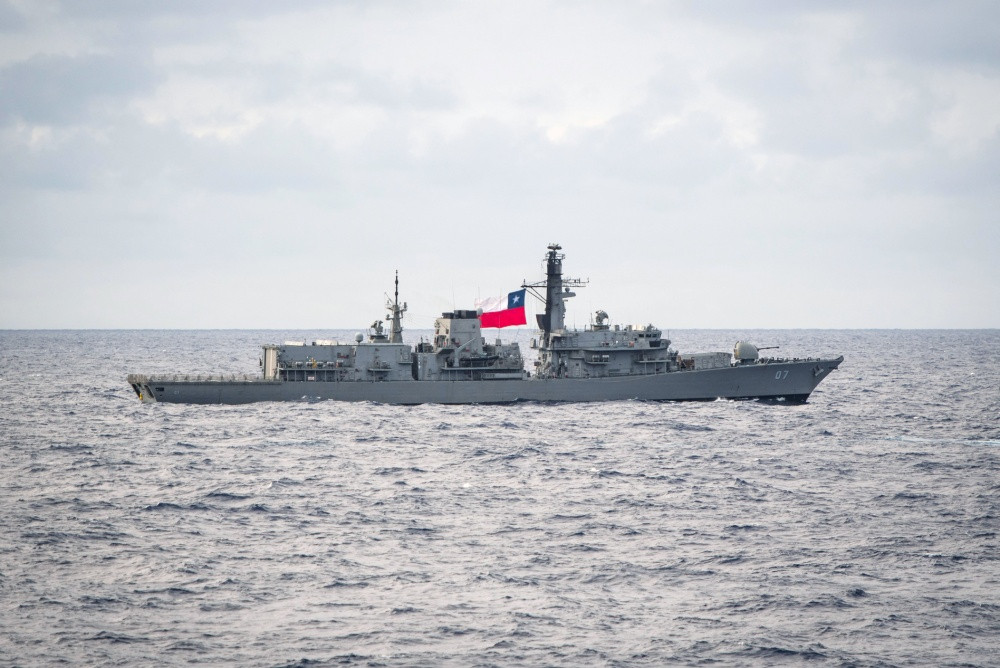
{"type": "Point", "coordinates": [495, 315]}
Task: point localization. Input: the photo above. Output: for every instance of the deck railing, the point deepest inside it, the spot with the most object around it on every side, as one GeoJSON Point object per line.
{"type": "Point", "coordinates": [143, 379]}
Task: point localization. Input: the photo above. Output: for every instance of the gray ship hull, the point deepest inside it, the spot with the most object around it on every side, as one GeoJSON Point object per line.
{"type": "Point", "coordinates": [459, 366]}
{"type": "Point", "coordinates": [792, 380]}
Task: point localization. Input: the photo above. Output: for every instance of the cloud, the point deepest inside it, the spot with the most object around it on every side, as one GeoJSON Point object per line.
{"type": "Point", "coordinates": [64, 90]}
{"type": "Point", "coordinates": [11, 20]}
{"type": "Point", "coordinates": [799, 152]}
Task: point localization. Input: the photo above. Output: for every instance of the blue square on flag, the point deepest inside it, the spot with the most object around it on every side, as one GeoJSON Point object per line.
{"type": "Point", "coordinates": [515, 299]}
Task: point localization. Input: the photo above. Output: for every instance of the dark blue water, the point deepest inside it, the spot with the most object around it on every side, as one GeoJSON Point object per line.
{"type": "Point", "coordinates": [858, 529]}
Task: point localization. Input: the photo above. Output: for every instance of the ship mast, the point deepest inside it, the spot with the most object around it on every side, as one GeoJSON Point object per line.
{"type": "Point", "coordinates": [557, 291]}
{"type": "Point", "coordinates": [396, 315]}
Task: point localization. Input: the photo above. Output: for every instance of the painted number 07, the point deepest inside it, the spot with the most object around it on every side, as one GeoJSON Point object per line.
{"type": "Point", "coordinates": [781, 375]}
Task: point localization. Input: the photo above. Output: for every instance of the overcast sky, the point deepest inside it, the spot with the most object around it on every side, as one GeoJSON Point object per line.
{"type": "Point", "coordinates": [207, 164]}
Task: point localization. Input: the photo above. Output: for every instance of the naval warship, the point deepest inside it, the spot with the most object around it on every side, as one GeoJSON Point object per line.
{"type": "Point", "coordinates": [599, 363]}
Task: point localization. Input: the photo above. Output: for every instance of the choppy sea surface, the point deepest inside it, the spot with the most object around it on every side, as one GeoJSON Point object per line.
{"type": "Point", "coordinates": [860, 528]}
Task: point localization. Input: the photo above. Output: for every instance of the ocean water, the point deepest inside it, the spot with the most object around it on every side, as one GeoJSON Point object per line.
{"type": "Point", "coordinates": [858, 529]}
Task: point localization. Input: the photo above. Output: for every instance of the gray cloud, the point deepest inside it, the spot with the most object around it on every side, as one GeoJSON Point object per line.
{"type": "Point", "coordinates": [62, 90]}
{"type": "Point", "coordinates": [834, 160]}
{"type": "Point", "coordinates": [11, 20]}
{"type": "Point", "coordinates": [964, 35]}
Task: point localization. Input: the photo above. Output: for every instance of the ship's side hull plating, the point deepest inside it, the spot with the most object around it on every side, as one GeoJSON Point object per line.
{"type": "Point", "coordinates": [792, 381]}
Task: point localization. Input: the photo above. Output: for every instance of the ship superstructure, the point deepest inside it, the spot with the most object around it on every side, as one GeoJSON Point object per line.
{"type": "Point", "coordinates": [600, 350]}
{"type": "Point", "coordinates": [599, 363]}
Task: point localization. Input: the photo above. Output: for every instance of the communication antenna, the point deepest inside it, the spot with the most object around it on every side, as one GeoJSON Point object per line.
{"type": "Point", "coordinates": [396, 315]}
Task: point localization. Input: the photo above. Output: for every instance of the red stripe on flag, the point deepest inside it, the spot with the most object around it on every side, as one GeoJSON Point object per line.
{"type": "Point", "coordinates": [512, 316]}
{"type": "Point", "coordinates": [506, 318]}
